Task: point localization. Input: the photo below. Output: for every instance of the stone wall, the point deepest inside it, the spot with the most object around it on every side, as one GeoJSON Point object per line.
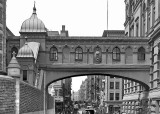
{"type": "Point", "coordinates": [7, 95]}
{"type": "Point", "coordinates": [31, 98]}
{"type": "Point", "coordinates": [20, 98]}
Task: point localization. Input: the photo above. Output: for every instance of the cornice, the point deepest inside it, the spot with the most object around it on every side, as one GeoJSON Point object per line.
{"type": "Point", "coordinates": [95, 67]}
{"type": "Point", "coordinates": [93, 39]}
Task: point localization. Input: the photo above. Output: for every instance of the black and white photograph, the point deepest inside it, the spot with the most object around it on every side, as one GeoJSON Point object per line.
{"type": "Point", "coordinates": [79, 56]}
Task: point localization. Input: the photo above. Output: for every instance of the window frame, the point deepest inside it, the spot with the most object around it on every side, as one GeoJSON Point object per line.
{"type": "Point", "coordinates": [117, 96]}
{"type": "Point", "coordinates": [111, 85]}
{"type": "Point", "coordinates": [141, 54]}
{"type": "Point", "coordinates": [111, 98]}
{"type": "Point", "coordinates": [78, 54]}
{"type": "Point", "coordinates": [53, 54]}
{"type": "Point", "coordinates": [116, 54]}
{"type": "Point", "coordinates": [117, 86]}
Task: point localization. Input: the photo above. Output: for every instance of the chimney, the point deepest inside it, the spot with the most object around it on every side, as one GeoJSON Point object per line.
{"type": "Point", "coordinates": [63, 27]}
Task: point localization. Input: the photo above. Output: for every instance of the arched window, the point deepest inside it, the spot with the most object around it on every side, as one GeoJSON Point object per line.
{"type": "Point", "coordinates": [53, 54]}
{"type": "Point", "coordinates": [141, 53]}
{"type": "Point", "coordinates": [116, 54]}
{"type": "Point", "coordinates": [78, 54]}
{"type": "Point", "coordinates": [14, 49]}
{"type": "Point", "coordinates": [97, 55]}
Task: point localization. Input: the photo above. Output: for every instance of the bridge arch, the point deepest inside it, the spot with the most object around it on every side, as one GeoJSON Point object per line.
{"type": "Point", "coordinates": [138, 73]}
{"type": "Point", "coordinates": [100, 74]}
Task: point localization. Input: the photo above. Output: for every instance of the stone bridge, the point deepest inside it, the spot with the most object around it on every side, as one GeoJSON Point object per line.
{"type": "Point", "coordinates": [137, 73]}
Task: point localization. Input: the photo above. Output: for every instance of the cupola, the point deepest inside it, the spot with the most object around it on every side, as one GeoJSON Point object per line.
{"type": "Point", "coordinates": [33, 24]}
{"type": "Point", "coordinates": [25, 51]}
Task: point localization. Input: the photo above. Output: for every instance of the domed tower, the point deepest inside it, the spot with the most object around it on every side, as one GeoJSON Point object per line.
{"type": "Point", "coordinates": [33, 29]}
{"type": "Point", "coordinates": [33, 25]}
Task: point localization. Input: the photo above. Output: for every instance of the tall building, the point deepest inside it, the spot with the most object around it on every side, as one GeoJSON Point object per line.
{"type": "Point", "coordinates": [83, 91]}
{"type": "Point", "coordinates": [113, 94]}
{"type": "Point", "coordinates": [3, 35]}
{"type": "Point", "coordinates": [143, 20]}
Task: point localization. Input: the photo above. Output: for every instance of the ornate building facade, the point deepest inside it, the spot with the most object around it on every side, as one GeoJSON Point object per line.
{"type": "Point", "coordinates": [143, 20]}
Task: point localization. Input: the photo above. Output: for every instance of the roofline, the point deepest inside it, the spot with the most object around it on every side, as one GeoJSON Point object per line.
{"type": "Point", "coordinates": [9, 31]}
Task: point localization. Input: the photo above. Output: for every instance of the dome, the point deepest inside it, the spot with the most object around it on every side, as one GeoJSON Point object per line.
{"type": "Point", "coordinates": [33, 24]}
{"type": "Point", "coordinates": [25, 51]}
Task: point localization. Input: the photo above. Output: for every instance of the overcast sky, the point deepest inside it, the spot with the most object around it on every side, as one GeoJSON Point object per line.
{"type": "Point", "coordinates": [81, 17]}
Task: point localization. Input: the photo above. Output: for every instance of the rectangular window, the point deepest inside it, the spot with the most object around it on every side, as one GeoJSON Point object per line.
{"type": "Point", "coordinates": [24, 75]}
{"type": "Point", "coordinates": [137, 29]}
{"type": "Point", "coordinates": [153, 16]}
{"type": "Point", "coordinates": [117, 96]}
{"type": "Point", "coordinates": [117, 85]}
{"type": "Point", "coordinates": [111, 96]}
{"type": "Point", "coordinates": [148, 24]}
{"type": "Point", "coordinates": [111, 85]}
{"type": "Point", "coordinates": [144, 27]}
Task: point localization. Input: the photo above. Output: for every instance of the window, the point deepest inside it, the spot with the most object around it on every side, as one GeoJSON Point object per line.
{"type": "Point", "coordinates": [144, 27]}
{"type": "Point", "coordinates": [117, 85]}
{"type": "Point", "coordinates": [137, 29]}
{"type": "Point", "coordinates": [111, 85]}
{"type": "Point", "coordinates": [153, 16]}
{"type": "Point", "coordinates": [148, 23]}
{"type": "Point", "coordinates": [25, 75]}
{"type": "Point", "coordinates": [117, 96]}
{"type": "Point", "coordinates": [111, 96]}
{"type": "Point", "coordinates": [116, 54]}
{"type": "Point", "coordinates": [14, 50]}
{"type": "Point", "coordinates": [141, 53]}
{"type": "Point", "coordinates": [78, 54]}
{"type": "Point", "coordinates": [132, 30]}
{"type": "Point", "coordinates": [53, 54]}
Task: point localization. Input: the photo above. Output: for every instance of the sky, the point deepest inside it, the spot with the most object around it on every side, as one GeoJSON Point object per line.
{"type": "Point", "coordinates": [76, 82]}
{"type": "Point", "coordinates": [80, 17]}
